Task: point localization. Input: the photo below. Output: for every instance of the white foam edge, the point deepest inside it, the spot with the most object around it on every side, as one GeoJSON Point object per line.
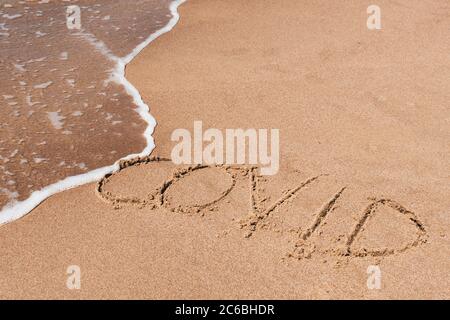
{"type": "Point", "coordinates": [19, 209]}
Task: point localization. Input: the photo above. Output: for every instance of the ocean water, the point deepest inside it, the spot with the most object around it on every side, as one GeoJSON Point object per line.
{"type": "Point", "coordinates": [67, 112]}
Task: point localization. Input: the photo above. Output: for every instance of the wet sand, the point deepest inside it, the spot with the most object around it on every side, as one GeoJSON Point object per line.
{"type": "Point", "coordinates": [62, 114]}
{"type": "Point", "coordinates": [363, 118]}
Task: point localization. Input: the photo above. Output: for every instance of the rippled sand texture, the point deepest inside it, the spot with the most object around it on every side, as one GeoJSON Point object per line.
{"type": "Point", "coordinates": [60, 116]}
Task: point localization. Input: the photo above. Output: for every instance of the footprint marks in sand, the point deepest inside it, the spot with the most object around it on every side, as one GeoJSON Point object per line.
{"type": "Point", "coordinates": [384, 228]}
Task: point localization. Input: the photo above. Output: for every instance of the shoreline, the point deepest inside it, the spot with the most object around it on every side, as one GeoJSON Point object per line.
{"type": "Point", "coordinates": [17, 210]}
{"type": "Point", "coordinates": [361, 185]}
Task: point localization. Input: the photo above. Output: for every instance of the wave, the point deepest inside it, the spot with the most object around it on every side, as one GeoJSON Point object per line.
{"type": "Point", "coordinates": [18, 209]}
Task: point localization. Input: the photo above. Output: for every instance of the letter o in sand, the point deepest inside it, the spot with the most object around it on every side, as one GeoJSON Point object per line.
{"type": "Point", "coordinates": [198, 188]}
{"type": "Point", "coordinates": [139, 182]}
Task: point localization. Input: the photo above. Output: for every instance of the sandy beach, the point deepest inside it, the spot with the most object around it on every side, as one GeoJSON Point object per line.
{"type": "Point", "coordinates": [363, 180]}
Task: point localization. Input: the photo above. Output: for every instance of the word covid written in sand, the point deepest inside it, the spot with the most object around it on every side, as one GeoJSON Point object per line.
{"type": "Point", "coordinates": [217, 189]}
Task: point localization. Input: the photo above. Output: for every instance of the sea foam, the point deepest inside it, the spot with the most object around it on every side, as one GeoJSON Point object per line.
{"type": "Point", "coordinates": [18, 209]}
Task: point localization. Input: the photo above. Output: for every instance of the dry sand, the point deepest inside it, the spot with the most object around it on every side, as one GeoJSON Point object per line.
{"type": "Point", "coordinates": [365, 110]}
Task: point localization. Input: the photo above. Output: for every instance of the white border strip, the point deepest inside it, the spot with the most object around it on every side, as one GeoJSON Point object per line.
{"type": "Point", "coordinates": [19, 209]}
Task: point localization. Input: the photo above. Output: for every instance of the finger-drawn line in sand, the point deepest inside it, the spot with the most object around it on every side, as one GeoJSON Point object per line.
{"type": "Point", "coordinates": [158, 198]}
{"type": "Point", "coordinates": [152, 198]}
{"type": "Point", "coordinates": [304, 246]}
{"type": "Point", "coordinates": [256, 217]}
{"type": "Point", "coordinates": [369, 213]}
{"type": "Point", "coordinates": [196, 208]}
{"type": "Point", "coordinates": [253, 189]}
{"type": "Point", "coordinates": [327, 208]}
{"type": "Point", "coordinates": [303, 249]}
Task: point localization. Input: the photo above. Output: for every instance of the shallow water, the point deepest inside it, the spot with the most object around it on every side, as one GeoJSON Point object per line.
{"type": "Point", "coordinates": [61, 113]}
